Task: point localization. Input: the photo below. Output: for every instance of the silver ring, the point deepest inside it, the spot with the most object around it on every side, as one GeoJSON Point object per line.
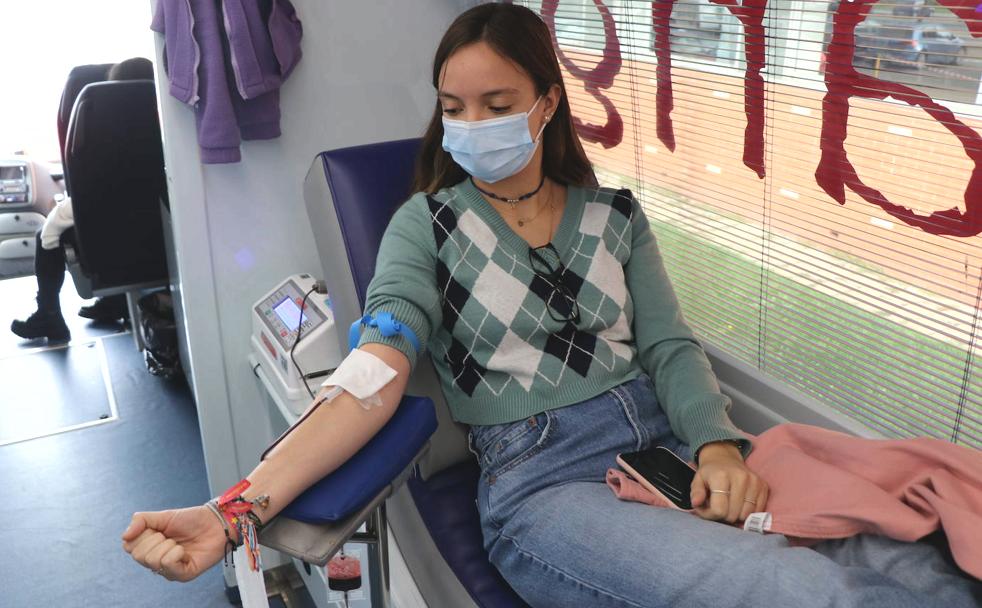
{"type": "Point", "coordinates": [159, 571]}
{"type": "Point", "coordinates": [726, 492]}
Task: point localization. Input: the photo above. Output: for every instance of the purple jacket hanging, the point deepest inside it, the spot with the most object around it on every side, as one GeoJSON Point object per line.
{"type": "Point", "coordinates": [227, 59]}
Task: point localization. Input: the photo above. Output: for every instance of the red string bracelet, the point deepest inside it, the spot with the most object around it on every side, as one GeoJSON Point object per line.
{"type": "Point", "coordinates": [237, 511]}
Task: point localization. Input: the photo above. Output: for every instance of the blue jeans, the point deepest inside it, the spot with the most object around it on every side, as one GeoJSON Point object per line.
{"type": "Point", "coordinates": [561, 538]}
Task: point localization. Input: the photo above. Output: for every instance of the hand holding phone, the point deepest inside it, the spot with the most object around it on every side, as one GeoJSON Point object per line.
{"type": "Point", "coordinates": [661, 472]}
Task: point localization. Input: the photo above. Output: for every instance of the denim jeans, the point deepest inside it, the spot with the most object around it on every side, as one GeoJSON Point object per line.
{"type": "Point", "coordinates": [561, 538]}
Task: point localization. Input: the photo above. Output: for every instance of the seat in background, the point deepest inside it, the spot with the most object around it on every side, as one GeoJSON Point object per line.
{"type": "Point", "coordinates": [114, 164]}
{"type": "Point", "coordinates": [78, 78]}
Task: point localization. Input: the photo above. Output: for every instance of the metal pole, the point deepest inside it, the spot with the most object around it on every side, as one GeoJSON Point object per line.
{"type": "Point", "coordinates": [134, 310]}
{"type": "Point", "coordinates": [383, 545]}
{"type": "Point", "coordinates": [378, 559]}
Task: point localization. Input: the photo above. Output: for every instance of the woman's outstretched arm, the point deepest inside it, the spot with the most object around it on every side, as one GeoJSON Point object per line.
{"type": "Point", "coordinates": [180, 544]}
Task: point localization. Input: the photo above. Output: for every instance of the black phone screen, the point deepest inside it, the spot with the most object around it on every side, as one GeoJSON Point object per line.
{"type": "Point", "coordinates": [665, 471]}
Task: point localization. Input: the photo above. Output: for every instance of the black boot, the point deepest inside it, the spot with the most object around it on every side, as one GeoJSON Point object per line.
{"type": "Point", "coordinates": [48, 325]}
{"type": "Point", "coordinates": [108, 308]}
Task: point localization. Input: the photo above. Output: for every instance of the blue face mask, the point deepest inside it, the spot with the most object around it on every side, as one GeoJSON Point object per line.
{"type": "Point", "coordinates": [493, 149]}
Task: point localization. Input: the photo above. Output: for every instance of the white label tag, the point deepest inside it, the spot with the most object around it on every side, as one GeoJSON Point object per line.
{"type": "Point", "coordinates": [252, 585]}
{"type": "Point", "coordinates": [758, 522]}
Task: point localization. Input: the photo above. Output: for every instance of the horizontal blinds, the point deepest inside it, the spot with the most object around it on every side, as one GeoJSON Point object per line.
{"type": "Point", "coordinates": [832, 241]}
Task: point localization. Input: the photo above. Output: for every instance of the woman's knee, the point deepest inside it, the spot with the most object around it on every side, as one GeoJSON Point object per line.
{"type": "Point", "coordinates": [544, 580]}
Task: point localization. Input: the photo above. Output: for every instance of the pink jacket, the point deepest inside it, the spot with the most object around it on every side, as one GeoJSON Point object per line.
{"type": "Point", "coordinates": [826, 484]}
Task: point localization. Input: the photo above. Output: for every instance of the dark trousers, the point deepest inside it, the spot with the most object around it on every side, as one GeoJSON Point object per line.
{"type": "Point", "coordinates": [49, 268]}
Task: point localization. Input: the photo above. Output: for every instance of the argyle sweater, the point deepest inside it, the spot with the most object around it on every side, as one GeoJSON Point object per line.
{"type": "Point", "coordinates": [499, 333]}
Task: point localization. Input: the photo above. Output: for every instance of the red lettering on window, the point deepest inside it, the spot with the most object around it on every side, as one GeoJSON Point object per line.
{"type": "Point", "coordinates": [843, 81]}
{"type": "Point", "coordinates": [661, 17]}
{"type": "Point", "coordinates": [751, 16]}
{"type": "Point", "coordinates": [835, 172]}
{"type": "Point", "coordinates": [600, 77]}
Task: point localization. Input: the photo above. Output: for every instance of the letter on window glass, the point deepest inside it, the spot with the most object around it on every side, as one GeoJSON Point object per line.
{"type": "Point", "coordinates": [661, 16]}
{"type": "Point", "coordinates": [751, 16]}
{"type": "Point", "coordinates": [843, 81]}
{"type": "Point", "coordinates": [600, 77]}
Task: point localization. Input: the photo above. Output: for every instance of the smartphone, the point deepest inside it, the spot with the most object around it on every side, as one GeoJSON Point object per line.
{"type": "Point", "coordinates": [661, 472]}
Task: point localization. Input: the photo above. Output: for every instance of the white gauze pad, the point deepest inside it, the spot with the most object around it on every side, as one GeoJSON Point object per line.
{"type": "Point", "coordinates": [362, 375]}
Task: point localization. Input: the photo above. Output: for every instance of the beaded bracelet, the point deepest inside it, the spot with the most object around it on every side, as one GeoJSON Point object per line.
{"type": "Point", "coordinates": [230, 544]}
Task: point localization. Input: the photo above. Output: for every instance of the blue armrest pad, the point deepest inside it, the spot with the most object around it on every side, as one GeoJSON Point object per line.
{"type": "Point", "coordinates": [364, 475]}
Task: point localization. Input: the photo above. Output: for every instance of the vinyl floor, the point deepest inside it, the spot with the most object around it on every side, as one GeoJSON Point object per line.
{"type": "Point", "coordinates": [65, 498]}
{"type": "Point", "coordinates": [33, 405]}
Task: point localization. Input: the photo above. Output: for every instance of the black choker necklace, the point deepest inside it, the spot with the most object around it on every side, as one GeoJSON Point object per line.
{"type": "Point", "coordinates": [510, 201]}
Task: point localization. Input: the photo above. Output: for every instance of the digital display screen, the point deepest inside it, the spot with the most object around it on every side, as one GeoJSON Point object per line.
{"type": "Point", "coordinates": [15, 172]}
{"type": "Point", "coordinates": [288, 312]}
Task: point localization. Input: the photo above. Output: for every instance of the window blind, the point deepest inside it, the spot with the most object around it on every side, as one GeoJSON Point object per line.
{"type": "Point", "coordinates": [813, 173]}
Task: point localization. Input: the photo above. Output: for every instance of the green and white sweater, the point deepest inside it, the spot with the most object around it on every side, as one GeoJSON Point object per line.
{"type": "Point", "coordinates": [452, 270]}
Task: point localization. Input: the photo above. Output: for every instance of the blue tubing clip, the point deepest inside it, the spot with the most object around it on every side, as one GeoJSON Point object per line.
{"type": "Point", "coordinates": [387, 325]}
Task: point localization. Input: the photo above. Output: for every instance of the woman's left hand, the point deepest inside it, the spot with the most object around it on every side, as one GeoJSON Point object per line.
{"type": "Point", "coordinates": [724, 489]}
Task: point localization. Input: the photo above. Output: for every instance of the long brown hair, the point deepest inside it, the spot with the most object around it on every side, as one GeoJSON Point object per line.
{"type": "Point", "coordinates": [517, 34]}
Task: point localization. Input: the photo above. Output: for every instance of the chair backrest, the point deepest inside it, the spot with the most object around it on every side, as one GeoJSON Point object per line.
{"type": "Point", "coordinates": [114, 158]}
{"type": "Point", "coordinates": [350, 194]}
{"type": "Point", "coordinates": [78, 78]}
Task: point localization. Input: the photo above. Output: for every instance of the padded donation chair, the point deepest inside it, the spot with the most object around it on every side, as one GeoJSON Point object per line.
{"type": "Point", "coordinates": [114, 167]}
{"type": "Point", "coordinates": [351, 194]}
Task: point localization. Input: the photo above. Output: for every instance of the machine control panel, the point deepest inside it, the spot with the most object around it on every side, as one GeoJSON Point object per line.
{"type": "Point", "coordinates": [275, 320]}
{"type": "Point", "coordinates": [280, 312]}
{"type": "Point", "coordinates": [15, 182]}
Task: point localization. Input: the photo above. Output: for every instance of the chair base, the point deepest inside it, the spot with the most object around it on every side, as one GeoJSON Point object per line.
{"type": "Point", "coordinates": [317, 543]}
{"type": "Point", "coordinates": [86, 289]}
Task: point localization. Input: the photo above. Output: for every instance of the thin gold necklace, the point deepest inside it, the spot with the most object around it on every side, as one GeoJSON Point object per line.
{"type": "Point", "coordinates": [528, 220]}
{"type": "Point", "coordinates": [551, 208]}
{"type": "Point", "coordinates": [549, 236]}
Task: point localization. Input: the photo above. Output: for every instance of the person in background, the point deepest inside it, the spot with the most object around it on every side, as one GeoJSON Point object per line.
{"type": "Point", "coordinates": [49, 256]}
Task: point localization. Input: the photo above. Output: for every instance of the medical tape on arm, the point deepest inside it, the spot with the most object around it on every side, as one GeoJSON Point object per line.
{"type": "Point", "coordinates": [362, 375]}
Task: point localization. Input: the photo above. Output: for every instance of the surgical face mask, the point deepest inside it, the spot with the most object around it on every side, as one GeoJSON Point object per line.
{"type": "Point", "coordinates": [493, 149]}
